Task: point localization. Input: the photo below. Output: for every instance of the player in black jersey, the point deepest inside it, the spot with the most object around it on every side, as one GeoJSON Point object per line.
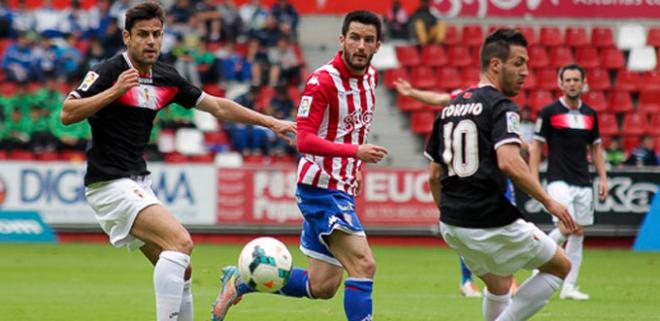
{"type": "Point", "coordinates": [570, 127]}
{"type": "Point", "coordinates": [474, 146]}
{"type": "Point", "coordinates": [120, 98]}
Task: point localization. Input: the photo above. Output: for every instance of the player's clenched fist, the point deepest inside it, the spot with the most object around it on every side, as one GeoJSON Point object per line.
{"type": "Point", "coordinates": [126, 80]}
{"type": "Point", "coordinates": [371, 153]}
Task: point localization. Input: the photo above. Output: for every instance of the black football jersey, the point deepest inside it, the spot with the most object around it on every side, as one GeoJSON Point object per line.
{"type": "Point", "coordinates": [120, 130]}
{"type": "Point", "coordinates": [465, 136]}
{"type": "Point", "coordinates": [568, 132]}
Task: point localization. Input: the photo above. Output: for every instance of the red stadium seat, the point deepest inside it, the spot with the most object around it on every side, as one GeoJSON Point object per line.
{"type": "Point", "coordinates": [653, 37]}
{"type": "Point", "coordinates": [602, 37]}
{"type": "Point", "coordinates": [538, 57]}
{"type": "Point", "coordinates": [421, 122]}
{"type": "Point", "coordinates": [451, 36]}
{"type": "Point", "coordinates": [649, 102]}
{"type": "Point", "coordinates": [547, 79]}
{"type": "Point", "coordinates": [635, 124]}
{"type": "Point", "coordinates": [175, 157]}
{"type": "Point", "coordinates": [531, 81]}
{"type": "Point", "coordinates": [204, 158]}
{"type": "Point", "coordinates": [47, 156]}
{"type": "Point", "coordinates": [408, 56]}
{"type": "Point", "coordinates": [520, 99]}
{"type": "Point", "coordinates": [8, 88]}
{"type": "Point", "coordinates": [551, 36]}
{"type": "Point", "coordinates": [630, 142]}
{"type": "Point", "coordinates": [460, 56]}
{"type": "Point", "coordinates": [538, 99]}
{"type": "Point", "coordinates": [408, 103]}
{"type": "Point", "coordinates": [620, 102]}
{"type": "Point", "coordinates": [561, 56]}
{"type": "Point", "coordinates": [627, 80]}
{"type": "Point", "coordinates": [654, 125]}
{"type": "Point", "coordinates": [422, 77]}
{"type": "Point", "coordinates": [656, 144]}
{"type": "Point", "coordinates": [596, 100]}
{"type": "Point", "coordinates": [607, 124]}
{"type": "Point", "coordinates": [587, 57]}
{"type": "Point", "coordinates": [530, 34]}
{"type": "Point", "coordinates": [470, 76]}
{"type": "Point", "coordinates": [390, 75]}
{"type": "Point", "coordinates": [612, 58]}
{"type": "Point", "coordinates": [473, 35]}
{"type": "Point", "coordinates": [72, 156]}
{"type": "Point", "coordinates": [434, 56]}
{"type": "Point", "coordinates": [447, 79]}
{"type": "Point", "coordinates": [294, 92]}
{"type": "Point", "coordinates": [650, 81]}
{"type": "Point", "coordinates": [598, 79]}
{"type": "Point", "coordinates": [3, 155]}
{"type": "Point", "coordinates": [577, 37]}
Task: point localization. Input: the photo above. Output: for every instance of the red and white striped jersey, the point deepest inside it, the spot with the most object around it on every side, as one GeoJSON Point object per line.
{"type": "Point", "coordinates": [338, 108]}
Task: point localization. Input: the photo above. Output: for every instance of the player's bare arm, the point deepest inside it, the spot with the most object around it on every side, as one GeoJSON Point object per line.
{"type": "Point", "coordinates": [404, 88]}
{"type": "Point", "coordinates": [535, 158]}
{"type": "Point", "coordinates": [226, 109]}
{"type": "Point", "coordinates": [78, 109]}
{"type": "Point", "coordinates": [435, 173]}
{"type": "Point", "coordinates": [511, 164]}
{"type": "Point", "coordinates": [599, 162]}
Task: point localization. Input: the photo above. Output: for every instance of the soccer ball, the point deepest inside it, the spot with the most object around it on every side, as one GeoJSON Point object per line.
{"type": "Point", "coordinates": [265, 264]}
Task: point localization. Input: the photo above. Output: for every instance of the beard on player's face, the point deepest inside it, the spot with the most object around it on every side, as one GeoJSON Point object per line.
{"type": "Point", "coordinates": [356, 60]}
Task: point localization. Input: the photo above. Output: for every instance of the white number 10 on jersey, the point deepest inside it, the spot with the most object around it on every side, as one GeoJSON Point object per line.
{"type": "Point", "coordinates": [461, 154]}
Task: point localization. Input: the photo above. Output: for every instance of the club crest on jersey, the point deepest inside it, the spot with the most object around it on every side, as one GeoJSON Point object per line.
{"type": "Point", "coordinates": [305, 106]}
{"type": "Point", "coordinates": [89, 80]}
{"type": "Point", "coordinates": [513, 122]}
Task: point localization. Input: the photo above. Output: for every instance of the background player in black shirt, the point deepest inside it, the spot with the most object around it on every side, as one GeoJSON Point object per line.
{"type": "Point", "coordinates": [570, 127]}
{"type": "Point", "coordinates": [474, 146]}
{"type": "Point", "coordinates": [120, 99]}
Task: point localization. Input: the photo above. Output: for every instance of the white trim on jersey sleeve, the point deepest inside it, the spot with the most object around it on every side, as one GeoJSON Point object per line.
{"type": "Point", "coordinates": [200, 98]}
{"type": "Point", "coordinates": [539, 138]}
{"type": "Point", "coordinates": [428, 156]}
{"type": "Point", "coordinates": [74, 94]}
{"type": "Point", "coordinates": [597, 141]}
{"type": "Point", "coordinates": [513, 140]}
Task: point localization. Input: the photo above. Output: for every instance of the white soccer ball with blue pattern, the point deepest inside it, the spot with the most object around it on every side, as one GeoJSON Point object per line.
{"type": "Point", "coordinates": [265, 264]}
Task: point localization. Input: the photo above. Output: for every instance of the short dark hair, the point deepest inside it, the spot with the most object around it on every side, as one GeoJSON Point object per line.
{"type": "Point", "coordinates": [363, 17]}
{"type": "Point", "coordinates": [498, 45]}
{"type": "Point", "coordinates": [144, 11]}
{"type": "Point", "coordinates": [571, 67]}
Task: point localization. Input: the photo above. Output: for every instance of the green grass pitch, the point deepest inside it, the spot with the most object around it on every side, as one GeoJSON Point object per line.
{"type": "Point", "coordinates": [100, 283]}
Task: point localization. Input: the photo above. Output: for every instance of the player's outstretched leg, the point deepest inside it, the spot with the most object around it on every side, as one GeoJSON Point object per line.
{"type": "Point", "coordinates": [229, 293]}
{"type": "Point", "coordinates": [468, 288]}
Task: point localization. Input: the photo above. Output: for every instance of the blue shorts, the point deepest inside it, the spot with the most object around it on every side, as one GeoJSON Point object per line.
{"type": "Point", "coordinates": [325, 210]}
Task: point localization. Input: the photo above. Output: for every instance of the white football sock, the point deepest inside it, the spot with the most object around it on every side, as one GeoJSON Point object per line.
{"type": "Point", "coordinates": [531, 297]}
{"type": "Point", "coordinates": [493, 305]}
{"type": "Point", "coordinates": [168, 284]}
{"type": "Point", "coordinates": [574, 253]}
{"type": "Point", "coordinates": [556, 236]}
{"type": "Point", "coordinates": [186, 313]}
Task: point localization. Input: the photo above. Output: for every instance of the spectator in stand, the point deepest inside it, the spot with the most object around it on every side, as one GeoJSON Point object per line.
{"type": "Point", "coordinates": [285, 16]}
{"type": "Point", "coordinates": [426, 25]}
{"type": "Point", "coordinates": [248, 139]}
{"type": "Point", "coordinates": [614, 154]}
{"type": "Point", "coordinates": [95, 53]}
{"type": "Point", "coordinates": [6, 17]}
{"type": "Point", "coordinates": [257, 57]}
{"type": "Point", "coordinates": [209, 15]}
{"type": "Point", "coordinates": [23, 18]}
{"type": "Point", "coordinates": [185, 63]}
{"type": "Point", "coordinates": [270, 33]}
{"type": "Point", "coordinates": [17, 60]}
{"type": "Point", "coordinates": [231, 21]}
{"type": "Point", "coordinates": [207, 65]}
{"type": "Point", "coordinates": [112, 40]}
{"type": "Point", "coordinates": [182, 11]}
{"type": "Point", "coordinates": [254, 17]}
{"type": "Point", "coordinates": [284, 64]}
{"type": "Point", "coordinates": [48, 97]}
{"type": "Point", "coordinates": [176, 116]}
{"type": "Point", "coordinates": [70, 59]}
{"type": "Point", "coordinates": [282, 107]}
{"type": "Point", "coordinates": [118, 10]}
{"type": "Point", "coordinates": [396, 21]}
{"type": "Point", "coordinates": [45, 60]}
{"type": "Point", "coordinates": [99, 19]}
{"type": "Point", "coordinates": [41, 137]}
{"type": "Point", "coordinates": [233, 66]}
{"type": "Point", "coordinates": [18, 130]}
{"type": "Point", "coordinates": [643, 155]}
{"type": "Point", "coordinates": [50, 21]}
{"type": "Point", "coordinates": [73, 137]}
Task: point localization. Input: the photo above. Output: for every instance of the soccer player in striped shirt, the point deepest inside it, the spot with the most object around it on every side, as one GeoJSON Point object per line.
{"type": "Point", "coordinates": [334, 119]}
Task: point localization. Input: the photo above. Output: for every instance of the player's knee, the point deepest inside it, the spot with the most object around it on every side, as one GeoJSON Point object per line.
{"type": "Point", "coordinates": [184, 243]}
{"type": "Point", "coordinates": [366, 266]}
